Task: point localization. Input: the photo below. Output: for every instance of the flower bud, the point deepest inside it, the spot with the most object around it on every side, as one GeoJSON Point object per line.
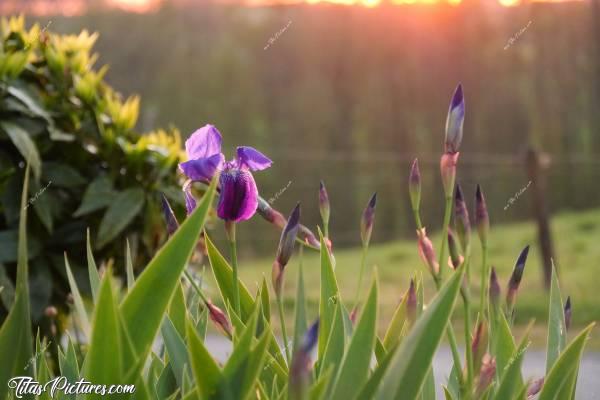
{"type": "Point", "coordinates": [427, 252]}
{"type": "Point", "coordinates": [366, 222]}
{"type": "Point", "coordinates": [288, 237]}
{"type": "Point", "coordinates": [218, 317]}
{"type": "Point", "coordinates": [448, 171]}
{"type": "Point", "coordinates": [461, 219]}
{"type": "Point", "coordinates": [50, 312]}
{"type": "Point", "coordinates": [568, 312]}
{"type": "Point", "coordinates": [535, 387]}
{"type": "Point", "coordinates": [494, 288]}
{"type": "Point", "coordinates": [324, 207]}
{"type": "Point", "coordinates": [482, 219]}
{"type": "Point", "coordinates": [486, 374]}
{"type": "Point", "coordinates": [414, 185]}
{"type": "Point", "coordinates": [170, 218]}
{"type": "Point", "coordinates": [479, 345]}
{"type": "Point", "coordinates": [455, 121]}
{"type": "Point", "coordinates": [455, 258]}
{"type": "Point", "coordinates": [300, 366]}
{"type": "Point", "coordinates": [515, 279]}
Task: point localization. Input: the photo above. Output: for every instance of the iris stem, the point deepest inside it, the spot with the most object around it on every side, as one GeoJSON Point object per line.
{"type": "Point", "coordinates": [467, 308]}
{"type": "Point", "coordinates": [363, 262]}
{"type": "Point", "coordinates": [416, 213]}
{"type": "Point", "coordinates": [484, 280]}
{"type": "Point", "coordinates": [286, 345]}
{"type": "Point", "coordinates": [230, 229]}
{"type": "Point", "coordinates": [447, 213]}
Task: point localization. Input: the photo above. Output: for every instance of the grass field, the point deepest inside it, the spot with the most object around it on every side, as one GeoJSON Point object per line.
{"type": "Point", "coordinates": [576, 238]}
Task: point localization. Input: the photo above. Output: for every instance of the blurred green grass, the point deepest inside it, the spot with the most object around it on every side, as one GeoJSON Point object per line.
{"type": "Point", "coordinates": [576, 237]}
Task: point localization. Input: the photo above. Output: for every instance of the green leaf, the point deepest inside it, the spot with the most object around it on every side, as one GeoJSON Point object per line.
{"type": "Point", "coordinates": [103, 362]}
{"type": "Point", "coordinates": [336, 343]}
{"type": "Point", "coordinates": [176, 349]}
{"type": "Point", "coordinates": [557, 329]}
{"type": "Point", "coordinates": [300, 324]}
{"type": "Point", "coordinates": [411, 361]}
{"type": "Point", "coordinates": [510, 381]}
{"type": "Point", "coordinates": [177, 311]}
{"type": "Point", "coordinates": [356, 363]}
{"type": "Point", "coordinates": [328, 299]}
{"type": "Point", "coordinates": [394, 331]}
{"type": "Point", "coordinates": [129, 266]}
{"type": "Point", "coordinates": [224, 277]}
{"type": "Point", "coordinates": [145, 303]}
{"type": "Point", "coordinates": [15, 339]}
{"type": "Point", "coordinates": [25, 145]}
{"type": "Point", "coordinates": [205, 369]}
{"type": "Point", "coordinates": [125, 206]}
{"type": "Point", "coordinates": [79, 306]}
{"type": "Point", "coordinates": [92, 269]}
{"type": "Point", "coordinates": [99, 194]}
{"type": "Point", "coordinates": [62, 175]}
{"type": "Point", "coordinates": [32, 105]}
{"type": "Point", "coordinates": [562, 377]}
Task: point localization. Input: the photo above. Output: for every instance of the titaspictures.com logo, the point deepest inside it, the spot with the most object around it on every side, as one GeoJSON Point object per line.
{"type": "Point", "coordinates": [26, 385]}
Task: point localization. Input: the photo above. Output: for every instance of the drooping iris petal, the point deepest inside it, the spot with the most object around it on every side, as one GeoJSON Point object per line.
{"type": "Point", "coordinates": [190, 201]}
{"type": "Point", "coordinates": [252, 158]}
{"type": "Point", "coordinates": [204, 142]}
{"type": "Point", "coordinates": [239, 196]}
{"type": "Point", "coordinates": [202, 168]}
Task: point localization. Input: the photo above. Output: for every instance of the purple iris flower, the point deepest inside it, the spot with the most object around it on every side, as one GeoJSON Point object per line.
{"type": "Point", "coordinates": [238, 198]}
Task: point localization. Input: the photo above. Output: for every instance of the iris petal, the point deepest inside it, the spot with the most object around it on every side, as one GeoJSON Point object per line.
{"type": "Point", "coordinates": [204, 142]}
{"type": "Point", "coordinates": [202, 168]}
{"type": "Point", "coordinates": [252, 158]}
{"type": "Point", "coordinates": [239, 196]}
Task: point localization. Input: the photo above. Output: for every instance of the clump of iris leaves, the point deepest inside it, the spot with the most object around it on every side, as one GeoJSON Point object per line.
{"type": "Point", "coordinates": [152, 332]}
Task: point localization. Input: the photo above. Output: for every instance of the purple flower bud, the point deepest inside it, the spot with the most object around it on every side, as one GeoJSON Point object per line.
{"type": "Point", "coordinates": [366, 222]}
{"type": "Point", "coordinates": [455, 259]}
{"type": "Point", "coordinates": [482, 219]}
{"type": "Point", "coordinates": [448, 171]}
{"type": "Point", "coordinates": [479, 345]}
{"type": "Point", "coordinates": [461, 218]}
{"type": "Point", "coordinates": [515, 279]}
{"type": "Point", "coordinates": [170, 218]}
{"type": "Point", "coordinates": [535, 387]}
{"type": "Point", "coordinates": [427, 252]}
{"type": "Point", "coordinates": [324, 203]}
{"type": "Point", "coordinates": [454, 121]}
{"type": "Point", "coordinates": [414, 185]}
{"type": "Point", "coordinates": [568, 312]}
{"type": "Point", "coordinates": [300, 366]}
{"type": "Point", "coordinates": [218, 317]}
{"type": "Point", "coordinates": [486, 374]}
{"type": "Point", "coordinates": [411, 302]}
{"type": "Point", "coordinates": [277, 277]}
{"type": "Point", "coordinates": [288, 237]}
{"type": "Point", "coordinates": [494, 288]}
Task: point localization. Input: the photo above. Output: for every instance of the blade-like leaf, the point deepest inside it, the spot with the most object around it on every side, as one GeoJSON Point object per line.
{"type": "Point", "coordinates": [129, 266]}
{"type": "Point", "coordinates": [103, 362]}
{"type": "Point", "coordinates": [205, 369]}
{"type": "Point", "coordinates": [356, 363]}
{"type": "Point", "coordinates": [144, 305]}
{"type": "Point", "coordinates": [329, 297]}
{"type": "Point", "coordinates": [557, 330]}
{"type": "Point", "coordinates": [410, 364]}
{"type": "Point", "coordinates": [510, 381]}
{"type": "Point", "coordinates": [92, 269]}
{"type": "Point", "coordinates": [562, 378]}
{"type": "Point", "coordinates": [300, 324]}
{"type": "Point", "coordinates": [176, 349]}
{"type": "Point", "coordinates": [79, 306]}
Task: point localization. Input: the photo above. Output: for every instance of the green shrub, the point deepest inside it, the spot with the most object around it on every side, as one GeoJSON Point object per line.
{"type": "Point", "coordinates": [91, 169]}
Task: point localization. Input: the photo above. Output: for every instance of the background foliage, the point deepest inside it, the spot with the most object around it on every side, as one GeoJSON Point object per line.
{"type": "Point", "coordinates": [91, 168]}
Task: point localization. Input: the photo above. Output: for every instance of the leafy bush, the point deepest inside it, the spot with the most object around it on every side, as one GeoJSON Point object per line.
{"type": "Point", "coordinates": [91, 169]}
{"type": "Point", "coordinates": [351, 360]}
